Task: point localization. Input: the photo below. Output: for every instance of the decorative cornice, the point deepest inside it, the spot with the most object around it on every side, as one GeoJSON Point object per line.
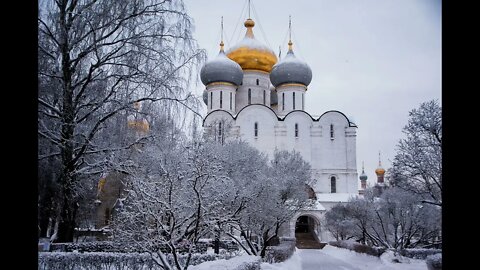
{"type": "Point", "coordinates": [291, 84]}
{"type": "Point", "coordinates": [220, 83]}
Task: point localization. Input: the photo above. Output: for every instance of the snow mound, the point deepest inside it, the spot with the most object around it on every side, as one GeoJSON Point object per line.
{"type": "Point", "coordinates": [293, 263]}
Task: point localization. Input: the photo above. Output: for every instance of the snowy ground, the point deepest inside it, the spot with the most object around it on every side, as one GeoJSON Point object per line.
{"type": "Point", "coordinates": [333, 258]}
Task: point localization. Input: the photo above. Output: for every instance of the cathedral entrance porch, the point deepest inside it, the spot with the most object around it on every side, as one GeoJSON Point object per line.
{"type": "Point", "coordinates": [305, 233]}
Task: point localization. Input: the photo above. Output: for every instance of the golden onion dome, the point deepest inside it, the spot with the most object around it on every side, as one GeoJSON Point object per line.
{"type": "Point", "coordinates": [140, 125]}
{"type": "Point", "coordinates": [380, 171]}
{"type": "Point", "coordinates": [250, 54]}
{"type": "Point", "coordinates": [137, 123]}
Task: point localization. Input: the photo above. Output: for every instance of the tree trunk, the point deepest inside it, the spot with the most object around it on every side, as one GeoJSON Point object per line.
{"type": "Point", "coordinates": [216, 243]}
{"type": "Point", "coordinates": [66, 227]}
{"type": "Point", "coordinates": [43, 221]}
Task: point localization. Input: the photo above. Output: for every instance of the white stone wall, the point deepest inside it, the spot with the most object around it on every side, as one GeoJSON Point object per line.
{"type": "Point", "coordinates": [215, 90]}
{"type": "Point", "coordinates": [304, 141]}
{"type": "Point", "coordinates": [257, 91]}
{"type": "Point", "coordinates": [328, 156]}
{"type": "Point", "coordinates": [266, 121]}
{"type": "Point", "coordinates": [285, 98]}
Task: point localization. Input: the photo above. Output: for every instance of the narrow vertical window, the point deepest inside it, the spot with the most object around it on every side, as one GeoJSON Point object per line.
{"type": "Point", "coordinates": [211, 100]}
{"type": "Point", "coordinates": [107, 216]}
{"type": "Point", "coordinates": [221, 99]}
{"type": "Point", "coordinates": [296, 130]}
{"type": "Point", "coordinates": [230, 100]}
{"type": "Point", "coordinates": [255, 129]}
{"type": "Point", "coordinates": [264, 99]}
{"type": "Point", "coordinates": [303, 102]}
{"type": "Point", "coordinates": [258, 82]}
{"type": "Point", "coordinates": [220, 137]}
{"type": "Point", "coordinates": [283, 101]}
{"type": "Point", "coordinates": [331, 131]}
{"type": "Point", "coordinates": [294, 100]}
{"type": "Point", "coordinates": [249, 96]}
{"type": "Point", "coordinates": [333, 184]}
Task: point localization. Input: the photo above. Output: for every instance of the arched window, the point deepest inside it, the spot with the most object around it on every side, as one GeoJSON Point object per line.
{"type": "Point", "coordinates": [283, 101]}
{"type": "Point", "coordinates": [331, 131]}
{"type": "Point", "coordinates": [221, 99]}
{"type": "Point", "coordinates": [255, 129]}
{"type": "Point", "coordinates": [258, 82]}
{"type": "Point", "coordinates": [333, 184]}
{"type": "Point", "coordinates": [230, 100]}
{"type": "Point", "coordinates": [296, 130]}
{"type": "Point", "coordinates": [294, 100]}
{"type": "Point", "coordinates": [220, 132]}
{"type": "Point", "coordinates": [211, 100]}
{"type": "Point", "coordinates": [249, 96]}
{"type": "Point", "coordinates": [264, 100]}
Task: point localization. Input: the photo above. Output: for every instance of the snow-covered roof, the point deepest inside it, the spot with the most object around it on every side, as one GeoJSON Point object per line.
{"type": "Point", "coordinates": [335, 197]}
{"type": "Point", "coordinates": [318, 206]}
{"type": "Point", "coordinates": [251, 43]}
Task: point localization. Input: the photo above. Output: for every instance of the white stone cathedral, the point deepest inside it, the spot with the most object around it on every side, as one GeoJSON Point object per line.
{"type": "Point", "coordinates": [253, 96]}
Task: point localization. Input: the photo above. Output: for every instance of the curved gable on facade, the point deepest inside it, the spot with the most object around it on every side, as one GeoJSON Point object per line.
{"type": "Point", "coordinates": [260, 107]}
{"type": "Point", "coordinates": [217, 114]}
{"type": "Point", "coordinates": [335, 116]}
{"type": "Point", "coordinates": [298, 112]}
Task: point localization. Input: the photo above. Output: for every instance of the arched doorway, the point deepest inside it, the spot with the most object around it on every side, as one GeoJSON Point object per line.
{"type": "Point", "coordinates": [306, 233]}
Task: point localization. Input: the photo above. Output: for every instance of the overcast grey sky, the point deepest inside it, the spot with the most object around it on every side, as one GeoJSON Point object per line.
{"type": "Point", "coordinates": [373, 60]}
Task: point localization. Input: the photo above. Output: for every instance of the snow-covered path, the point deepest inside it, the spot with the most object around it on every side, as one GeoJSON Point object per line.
{"type": "Point", "coordinates": [314, 259]}
{"type": "Point", "coordinates": [332, 258]}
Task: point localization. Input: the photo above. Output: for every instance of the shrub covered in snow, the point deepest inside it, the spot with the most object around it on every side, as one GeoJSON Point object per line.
{"type": "Point", "coordinates": [112, 260]}
{"type": "Point", "coordinates": [282, 252]}
{"type": "Point", "coordinates": [419, 253]}
{"type": "Point", "coordinates": [97, 260]}
{"type": "Point", "coordinates": [97, 246]}
{"type": "Point", "coordinates": [244, 262]}
{"type": "Point", "coordinates": [434, 262]}
{"type": "Point", "coordinates": [357, 247]}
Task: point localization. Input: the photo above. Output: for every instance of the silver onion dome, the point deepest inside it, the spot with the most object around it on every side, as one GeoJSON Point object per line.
{"type": "Point", "coordinates": [221, 69]}
{"type": "Point", "coordinates": [291, 70]}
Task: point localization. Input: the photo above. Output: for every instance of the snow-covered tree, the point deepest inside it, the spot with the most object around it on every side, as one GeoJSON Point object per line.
{"type": "Point", "coordinates": [339, 222]}
{"type": "Point", "coordinates": [402, 221]}
{"type": "Point", "coordinates": [180, 193]}
{"type": "Point", "coordinates": [173, 200]}
{"type": "Point", "coordinates": [397, 220]}
{"type": "Point", "coordinates": [266, 194]}
{"type": "Point", "coordinates": [417, 166]}
{"type": "Point", "coordinates": [97, 59]}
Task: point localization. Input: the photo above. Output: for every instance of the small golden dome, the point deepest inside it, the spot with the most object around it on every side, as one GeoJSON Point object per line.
{"type": "Point", "coordinates": [249, 53]}
{"type": "Point", "coordinates": [140, 125]}
{"type": "Point", "coordinates": [249, 23]}
{"type": "Point", "coordinates": [379, 171]}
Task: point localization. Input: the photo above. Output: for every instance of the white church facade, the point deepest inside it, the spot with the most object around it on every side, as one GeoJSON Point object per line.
{"type": "Point", "coordinates": [254, 96]}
